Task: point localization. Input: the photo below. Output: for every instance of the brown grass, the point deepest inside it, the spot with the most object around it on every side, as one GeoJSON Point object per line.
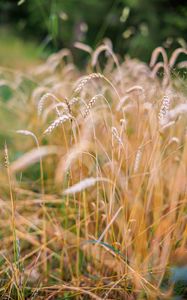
{"type": "Point", "coordinates": [97, 209]}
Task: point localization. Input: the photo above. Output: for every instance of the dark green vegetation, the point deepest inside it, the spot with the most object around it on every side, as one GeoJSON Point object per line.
{"type": "Point", "coordinates": [135, 27]}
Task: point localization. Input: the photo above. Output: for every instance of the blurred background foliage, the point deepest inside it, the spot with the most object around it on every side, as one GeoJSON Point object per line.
{"type": "Point", "coordinates": [135, 27]}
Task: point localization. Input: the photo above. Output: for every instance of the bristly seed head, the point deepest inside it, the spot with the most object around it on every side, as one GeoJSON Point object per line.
{"type": "Point", "coordinates": [6, 156]}
{"type": "Point", "coordinates": [164, 111]}
{"type": "Point", "coordinates": [57, 122]}
{"type": "Point", "coordinates": [115, 133]}
{"type": "Point", "coordinates": [137, 159]}
{"type": "Point", "coordinates": [90, 105]}
{"type": "Point", "coordinates": [85, 80]}
{"type": "Point", "coordinates": [43, 99]}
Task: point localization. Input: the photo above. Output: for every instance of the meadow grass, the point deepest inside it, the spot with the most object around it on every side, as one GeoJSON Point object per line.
{"type": "Point", "coordinates": [94, 180]}
{"type": "Point", "coordinates": [16, 53]}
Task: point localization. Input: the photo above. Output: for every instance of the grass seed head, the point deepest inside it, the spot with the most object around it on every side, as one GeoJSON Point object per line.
{"type": "Point", "coordinates": [163, 114]}
{"type": "Point", "coordinates": [62, 119]}
{"type": "Point", "coordinates": [85, 80]}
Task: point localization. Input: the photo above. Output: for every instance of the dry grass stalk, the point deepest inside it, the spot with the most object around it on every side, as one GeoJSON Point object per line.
{"type": "Point", "coordinates": [43, 99]}
{"type": "Point", "coordinates": [178, 110]}
{"type": "Point", "coordinates": [135, 88]}
{"type": "Point", "coordinates": [175, 55]}
{"type": "Point", "coordinates": [155, 54]}
{"type": "Point", "coordinates": [112, 216]}
{"type": "Point", "coordinates": [32, 157]}
{"type": "Point", "coordinates": [83, 47]}
{"type": "Point", "coordinates": [83, 184]}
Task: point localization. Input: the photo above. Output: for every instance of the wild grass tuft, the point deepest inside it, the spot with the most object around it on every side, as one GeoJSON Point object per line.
{"type": "Point", "coordinates": [93, 191]}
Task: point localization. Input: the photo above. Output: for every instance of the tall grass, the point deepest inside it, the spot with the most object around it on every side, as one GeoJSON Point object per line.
{"type": "Point", "coordinates": [97, 199]}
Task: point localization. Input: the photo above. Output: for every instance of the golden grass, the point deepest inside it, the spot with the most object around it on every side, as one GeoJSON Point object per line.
{"type": "Point", "coordinates": [93, 196]}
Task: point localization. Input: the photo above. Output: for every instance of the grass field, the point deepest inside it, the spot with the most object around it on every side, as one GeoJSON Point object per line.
{"type": "Point", "coordinates": [93, 178]}
{"type": "Point", "coordinates": [15, 52]}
